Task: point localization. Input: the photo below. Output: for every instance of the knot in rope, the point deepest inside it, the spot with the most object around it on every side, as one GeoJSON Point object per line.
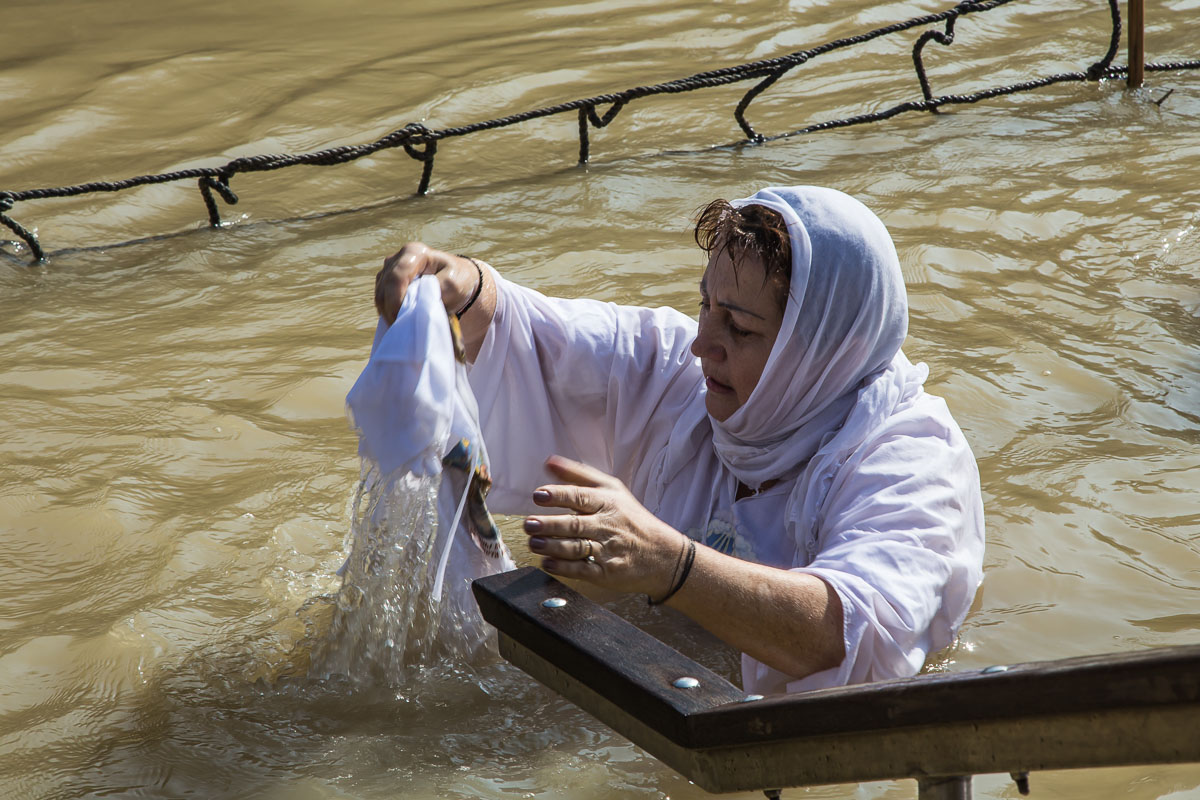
{"type": "Point", "coordinates": [425, 155]}
{"type": "Point", "coordinates": [587, 116]}
{"type": "Point", "coordinates": [219, 184]}
{"type": "Point", "coordinates": [1097, 71]}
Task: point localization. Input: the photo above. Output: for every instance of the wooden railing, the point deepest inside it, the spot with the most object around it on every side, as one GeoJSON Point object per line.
{"type": "Point", "coordinates": [940, 729]}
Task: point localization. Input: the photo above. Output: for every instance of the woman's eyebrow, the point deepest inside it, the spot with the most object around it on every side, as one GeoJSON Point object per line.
{"type": "Point", "coordinates": [746, 311]}
{"type": "Point", "coordinates": [730, 306]}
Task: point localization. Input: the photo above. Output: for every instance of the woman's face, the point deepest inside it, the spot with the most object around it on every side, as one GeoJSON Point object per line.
{"type": "Point", "coordinates": [739, 320]}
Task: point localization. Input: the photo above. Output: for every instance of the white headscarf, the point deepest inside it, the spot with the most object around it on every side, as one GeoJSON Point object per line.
{"type": "Point", "coordinates": [846, 317]}
{"type": "Point", "coordinates": [835, 372]}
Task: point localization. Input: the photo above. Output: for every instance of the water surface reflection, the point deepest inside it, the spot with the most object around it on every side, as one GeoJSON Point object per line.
{"type": "Point", "coordinates": [176, 470]}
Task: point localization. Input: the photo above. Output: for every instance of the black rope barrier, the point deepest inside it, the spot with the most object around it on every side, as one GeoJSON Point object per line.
{"type": "Point", "coordinates": [421, 143]}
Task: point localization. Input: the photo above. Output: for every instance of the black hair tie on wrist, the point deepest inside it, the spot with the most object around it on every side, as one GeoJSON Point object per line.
{"type": "Point", "coordinates": [478, 288]}
{"type": "Point", "coordinates": [683, 576]}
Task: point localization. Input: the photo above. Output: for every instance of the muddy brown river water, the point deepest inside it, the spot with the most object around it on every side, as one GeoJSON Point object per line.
{"type": "Point", "coordinates": [176, 468]}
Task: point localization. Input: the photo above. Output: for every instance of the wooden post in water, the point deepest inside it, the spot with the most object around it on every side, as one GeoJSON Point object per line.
{"type": "Point", "coordinates": [1137, 43]}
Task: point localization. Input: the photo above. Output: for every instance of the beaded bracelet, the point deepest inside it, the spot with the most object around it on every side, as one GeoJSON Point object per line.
{"type": "Point", "coordinates": [478, 288]}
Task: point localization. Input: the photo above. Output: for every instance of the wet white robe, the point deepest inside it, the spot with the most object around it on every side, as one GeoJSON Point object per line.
{"type": "Point", "coordinates": [894, 524]}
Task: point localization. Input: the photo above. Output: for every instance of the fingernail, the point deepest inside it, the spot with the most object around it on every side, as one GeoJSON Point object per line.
{"type": "Point", "coordinates": [549, 564]}
{"type": "Point", "coordinates": [541, 496]}
{"type": "Point", "coordinates": [532, 525]}
{"type": "Point", "coordinates": [537, 542]}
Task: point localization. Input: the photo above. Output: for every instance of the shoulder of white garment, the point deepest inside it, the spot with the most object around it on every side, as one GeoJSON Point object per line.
{"type": "Point", "coordinates": [915, 473]}
{"type": "Point", "coordinates": [593, 380]}
{"type": "Point", "coordinates": [901, 541]}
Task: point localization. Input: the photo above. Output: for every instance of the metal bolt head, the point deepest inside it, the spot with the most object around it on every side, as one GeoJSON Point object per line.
{"type": "Point", "coordinates": [554, 602]}
{"type": "Point", "coordinates": [994, 669]}
{"type": "Point", "coordinates": [685, 683]}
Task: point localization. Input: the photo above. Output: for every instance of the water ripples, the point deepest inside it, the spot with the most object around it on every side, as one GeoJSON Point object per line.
{"type": "Point", "coordinates": [176, 472]}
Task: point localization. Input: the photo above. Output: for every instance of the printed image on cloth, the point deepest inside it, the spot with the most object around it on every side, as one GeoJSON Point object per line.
{"type": "Point", "coordinates": [723, 536]}
{"type": "Point", "coordinates": [421, 530]}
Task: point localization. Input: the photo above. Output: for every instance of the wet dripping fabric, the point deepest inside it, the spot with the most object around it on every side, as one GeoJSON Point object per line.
{"type": "Point", "coordinates": [411, 406]}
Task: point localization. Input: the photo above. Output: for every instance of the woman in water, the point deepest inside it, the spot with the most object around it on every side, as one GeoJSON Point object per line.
{"type": "Point", "coordinates": [775, 471]}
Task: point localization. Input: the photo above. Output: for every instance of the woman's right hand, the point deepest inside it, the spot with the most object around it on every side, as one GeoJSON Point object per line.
{"type": "Point", "coordinates": [457, 277]}
{"type": "Point", "coordinates": [609, 539]}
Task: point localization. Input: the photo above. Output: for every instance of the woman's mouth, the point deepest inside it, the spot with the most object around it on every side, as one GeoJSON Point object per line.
{"type": "Point", "coordinates": [716, 386]}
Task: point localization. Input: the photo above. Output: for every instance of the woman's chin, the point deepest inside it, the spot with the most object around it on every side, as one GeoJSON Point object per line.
{"type": "Point", "coordinates": [720, 407]}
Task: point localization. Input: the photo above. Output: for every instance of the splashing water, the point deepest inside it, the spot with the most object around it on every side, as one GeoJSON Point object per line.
{"type": "Point", "coordinates": [406, 600]}
{"type": "Point", "coordinates": [389, 624]}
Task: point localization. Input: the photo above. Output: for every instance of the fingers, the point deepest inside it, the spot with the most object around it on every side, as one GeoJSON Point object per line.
{"type": "Point", "coordinates": [576, 472]}
{"type": "Point", "coordinates": [565, 549]}
{"type": "Point", "coordinates": [584, 490]}
{"type": "Point", "coordinates": [399, 270]}
{"type": "Point", "coordinates": [579, 499]}
{"type": "Point", "coordinates": [381, 298]}
{"type": "Point", "coordinates": [569, 558]}
{"type": "Point", "coordinates": [583, 570]}
{"type": "Point", "coordinates": [561, 526]}
{"type": "Point", "coordinates": [391, 284]}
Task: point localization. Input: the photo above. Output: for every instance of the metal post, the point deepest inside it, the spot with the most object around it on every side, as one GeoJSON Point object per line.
{"type": "Point", "coordinates": [956, 787]}
{"type": "Point", "coordinates": [1137, 43]}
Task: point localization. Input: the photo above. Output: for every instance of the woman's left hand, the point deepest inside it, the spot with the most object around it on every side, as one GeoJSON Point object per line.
{"type": "Point", "coordinates": [610, 540]}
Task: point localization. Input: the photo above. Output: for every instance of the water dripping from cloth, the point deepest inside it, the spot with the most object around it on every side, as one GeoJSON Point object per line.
{"type": "Point", "coordinates": [419, 531]}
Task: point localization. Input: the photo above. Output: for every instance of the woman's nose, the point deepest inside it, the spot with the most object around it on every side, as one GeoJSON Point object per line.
{"type": "Point", "coordinates": [704, 346]}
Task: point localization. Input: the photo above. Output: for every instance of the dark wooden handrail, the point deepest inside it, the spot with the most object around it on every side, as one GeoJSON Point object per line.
{"type": "Point", "coordinates": [1131, 708]}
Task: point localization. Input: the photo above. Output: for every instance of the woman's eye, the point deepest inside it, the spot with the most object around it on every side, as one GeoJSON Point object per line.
{"type": "Point", "coordinates": [741, 333]}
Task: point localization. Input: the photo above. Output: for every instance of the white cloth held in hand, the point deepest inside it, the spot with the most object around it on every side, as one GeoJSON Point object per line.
{"type": "Point", "coordinates": [411, 405]}
{"type": "Point", "coordinates": [403, 402]}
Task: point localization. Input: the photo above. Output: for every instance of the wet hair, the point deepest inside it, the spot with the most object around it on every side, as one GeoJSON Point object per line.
{"type": "Point", "coordinates": [751, 230]}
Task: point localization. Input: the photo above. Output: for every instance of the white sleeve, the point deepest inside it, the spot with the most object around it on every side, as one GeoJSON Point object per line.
{"type": "Point", "coordinates": [592, 381]}
{"type": "Point", "coordinates": [902, 545]}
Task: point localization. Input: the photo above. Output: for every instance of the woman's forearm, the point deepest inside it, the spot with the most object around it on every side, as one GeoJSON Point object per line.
{"type": "Point", "coordinates": [790, 621]}
{"type": "Point", "coordinates": [476, 320]}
